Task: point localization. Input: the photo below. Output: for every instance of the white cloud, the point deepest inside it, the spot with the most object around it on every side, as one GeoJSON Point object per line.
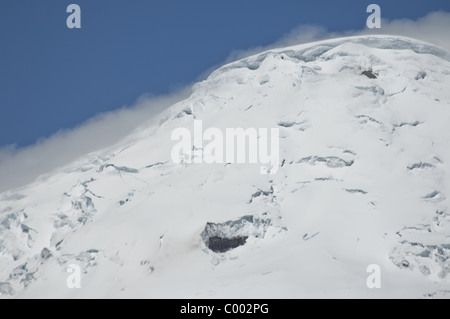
{"type": "Point", "coordinates": [21, 166]}
{"type": "Point", "coordinates": [432, 28]}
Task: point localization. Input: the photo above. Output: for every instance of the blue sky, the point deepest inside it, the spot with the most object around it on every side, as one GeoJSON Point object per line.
{"type": "Point", "coordinates": [53, 78]}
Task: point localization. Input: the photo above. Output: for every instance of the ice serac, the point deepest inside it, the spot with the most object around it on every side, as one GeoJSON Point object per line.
{"type": "Point", "coordinates": [363, 179]}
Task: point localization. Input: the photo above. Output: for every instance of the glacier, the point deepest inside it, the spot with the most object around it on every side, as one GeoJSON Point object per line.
{"type": "Point", "coordinates": [363, 179]}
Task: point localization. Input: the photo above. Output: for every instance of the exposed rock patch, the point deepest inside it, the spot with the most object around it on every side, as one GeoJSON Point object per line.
{"type": "Point", "coordinates": [223, 237]}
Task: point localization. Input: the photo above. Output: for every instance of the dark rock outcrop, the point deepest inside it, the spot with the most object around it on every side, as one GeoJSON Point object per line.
{"type": "Point", "coordinates": [221, 245]}
{"type": "Point", "coordinates": [222, 237]}
{"type": "Point", "coordinates": [369, 74]}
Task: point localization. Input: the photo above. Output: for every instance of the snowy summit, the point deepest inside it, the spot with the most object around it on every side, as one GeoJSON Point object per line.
{"type": "Point", "coordinates": [363, 179]}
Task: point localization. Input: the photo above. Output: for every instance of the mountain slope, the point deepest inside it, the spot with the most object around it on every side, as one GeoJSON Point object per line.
{"type": "Point", "coordinates": [363, 179]}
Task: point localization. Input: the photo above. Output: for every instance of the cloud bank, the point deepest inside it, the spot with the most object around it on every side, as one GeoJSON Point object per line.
{"type": "Point", "coordinates": [432, 28]}
{"type": "Point", "coordinates": [21, 166]}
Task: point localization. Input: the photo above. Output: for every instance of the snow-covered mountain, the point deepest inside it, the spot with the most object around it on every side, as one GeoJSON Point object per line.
{"type": "Point", "coordinates": [363, 179]}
